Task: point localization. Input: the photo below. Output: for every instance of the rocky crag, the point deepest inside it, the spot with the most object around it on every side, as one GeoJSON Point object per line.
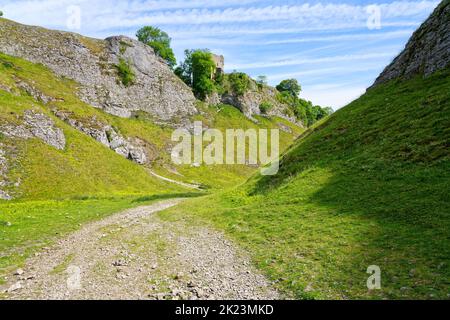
{"type": "Point", "coordinates": [427, 51]}
{"type": "Point", "coordinates": [250, 102]}
{"type": "Point", "coordinates": [93, 64]}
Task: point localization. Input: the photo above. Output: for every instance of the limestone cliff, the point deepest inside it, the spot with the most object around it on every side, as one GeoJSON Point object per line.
{"type": "Point", "coordinates": [93, 64]}
{"type": "Point", "coordinates": [427, 51]}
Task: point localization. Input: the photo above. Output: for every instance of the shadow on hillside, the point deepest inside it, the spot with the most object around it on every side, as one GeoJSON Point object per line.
{"type": "Point", "coordinates": [396, 218]}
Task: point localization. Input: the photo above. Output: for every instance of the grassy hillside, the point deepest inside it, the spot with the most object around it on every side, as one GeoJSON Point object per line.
{"type": "Point", "coordinates": [86, 167]}
{"type": "Point", "coordinates": [368, 186]}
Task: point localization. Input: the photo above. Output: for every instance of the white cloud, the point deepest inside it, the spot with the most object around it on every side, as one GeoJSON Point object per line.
{"type": "Point", "coordinates": [342, 70]}
{"type": "Point", "coordinates": [210, 16]}
{"type": "Point", "coordinates": [334, 97]}
{"type": "Point", "coordinates": [305, 14]}
{"type": "Point", "coordinates": [300, 61]}
{"type": "Point", "coordinates": [347, 37]}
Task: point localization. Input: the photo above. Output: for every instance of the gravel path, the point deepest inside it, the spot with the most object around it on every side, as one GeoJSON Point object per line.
{"type": "Point", "coordinates": [135, 255]}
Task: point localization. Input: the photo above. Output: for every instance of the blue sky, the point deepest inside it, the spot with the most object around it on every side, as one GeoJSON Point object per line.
{"type": "Point", "coordinates": [327, 45]}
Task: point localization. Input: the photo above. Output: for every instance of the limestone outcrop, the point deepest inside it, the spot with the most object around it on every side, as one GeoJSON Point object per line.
{"type": "Point", "coordinates": [427, 51]}
{"type": "Point", "coordinates": [133, 149]}
{"type": "Point", "coordinates": [93, 64]}
{"type": "Point", "coordinates": [36, 125]}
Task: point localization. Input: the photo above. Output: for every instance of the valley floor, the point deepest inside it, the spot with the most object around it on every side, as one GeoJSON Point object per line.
{"type": "Point", "coordinates": [136, 255]}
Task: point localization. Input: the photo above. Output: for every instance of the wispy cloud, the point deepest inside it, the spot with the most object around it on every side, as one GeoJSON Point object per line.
{"type": "Point", "coordinates": [306, 14]}
{"type": "Point", "coordinates": [300, 61]}
{"type": "Point", "coordinates": [346, 37]}
{"type": "Point", "coordinates": [115, 14]}
{"type": "Point", "coordinates": [274, 78]}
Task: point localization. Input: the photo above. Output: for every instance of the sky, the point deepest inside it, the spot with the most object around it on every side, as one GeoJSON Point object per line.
{"type": "Point", "coordinates": [334, 48]}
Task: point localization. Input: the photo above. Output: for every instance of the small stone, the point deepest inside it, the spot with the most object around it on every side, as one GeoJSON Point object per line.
{"type": "Point", "coordinates": [8, 224]}
{"type": "Point", "coordinates": [154, 266]}
{"type": "Point", "coordinates": [15, 287]}
{"type": "Point", "coordinates": [19, 272]}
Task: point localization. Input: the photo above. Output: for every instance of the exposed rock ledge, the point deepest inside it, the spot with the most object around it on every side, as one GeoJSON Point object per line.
{"type": "Point", "coordinates": [131, 148]}
{"type": "Point", "coordinates": [36, 125]}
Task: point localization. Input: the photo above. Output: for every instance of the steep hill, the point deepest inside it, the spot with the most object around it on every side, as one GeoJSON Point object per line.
{"type": "Point", "coordinates": [428, 49]}
{"type": "Point", "coordinates": [367, 186]}
{"type": "Point", "coordinates": [44, 157]}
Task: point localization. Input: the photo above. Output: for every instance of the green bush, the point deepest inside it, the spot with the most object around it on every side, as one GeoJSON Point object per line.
{"type": "Point", "coordinates": [303, 110]}
{"type": "Point", "coordinates": [290, 86]}
{"type": "Point", "coordinates": [202, 68]}
{"type": "Point", "coordinates": [125, 72]}
{"type": "Point", "coordinates": [239, 82]}
{"type": "Point", "coordinates": [159, 41]}
{"type": "Point", "coordinates": [184, 69]}
{"type": "Point", "coordinates": [265, 107]}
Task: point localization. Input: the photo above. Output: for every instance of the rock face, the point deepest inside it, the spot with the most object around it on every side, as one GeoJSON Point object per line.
{"type": "Point", "coordinates": [131, 148]}
{"type": "Point", "coordinates": [3, 172]}
{"type": "Point", "coordinates": [249, 103]}
{"type": "Point", "coordinates": [93, 64]}
{"type": "Point", "coordinates": [36, 125]}
{"type": "Point", "coordinates": [427, 51]}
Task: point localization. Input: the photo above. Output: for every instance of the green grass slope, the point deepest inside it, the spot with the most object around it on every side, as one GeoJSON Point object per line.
{"type": "Point", "coordinates": [88, 168]}
{"type": "Point", "coordinates": [84, 168]}
{"type": "Point", "coordinates": [368, 186]}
